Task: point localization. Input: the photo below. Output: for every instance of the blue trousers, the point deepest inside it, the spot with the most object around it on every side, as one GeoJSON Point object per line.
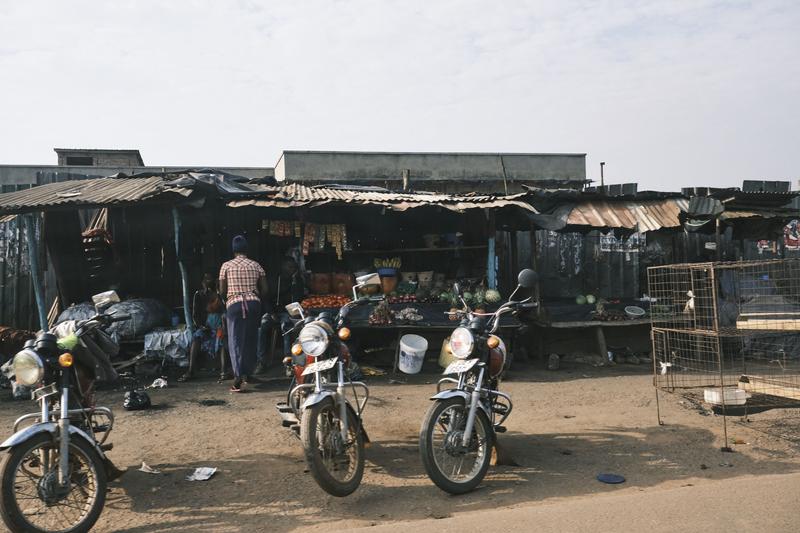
{"type": "Point", "coordinates": [243, 336]}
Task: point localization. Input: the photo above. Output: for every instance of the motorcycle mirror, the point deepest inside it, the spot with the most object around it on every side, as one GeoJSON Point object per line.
{"type": "Point", "coordinates": [456, 288]}
{"type": "Point", "coordinates": [527, 279]}
{"type": "Point", "coordinates": [295, 310]}
{"type": "Point", "coordinates": [368, 279]}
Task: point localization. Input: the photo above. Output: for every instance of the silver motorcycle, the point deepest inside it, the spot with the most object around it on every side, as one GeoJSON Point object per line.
{"type": "Point", "coordinates": [318, 408]}
{"type": "Point", "coordinates": [459, 430]}
{"type": "Point", "coordinates": [54, 471]}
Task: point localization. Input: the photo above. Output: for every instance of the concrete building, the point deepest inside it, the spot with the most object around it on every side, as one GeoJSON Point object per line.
{"type": "Point", "coordinates": [97, 163]}
{"type": "Point", "coordinates": [432, 171]}
{"type": "Point", "coordinates": [100, 158]}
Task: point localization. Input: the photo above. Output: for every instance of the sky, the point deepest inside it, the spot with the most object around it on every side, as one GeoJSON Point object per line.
{"type": "Point", "coordinates": [669, 94]}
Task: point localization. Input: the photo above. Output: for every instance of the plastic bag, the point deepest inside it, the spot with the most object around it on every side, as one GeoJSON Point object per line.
{"type": "Point", "coordinates": [146, 314]}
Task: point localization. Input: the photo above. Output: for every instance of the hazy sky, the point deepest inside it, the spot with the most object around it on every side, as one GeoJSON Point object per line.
{"type": "Point", "coordinates": [668, 93]}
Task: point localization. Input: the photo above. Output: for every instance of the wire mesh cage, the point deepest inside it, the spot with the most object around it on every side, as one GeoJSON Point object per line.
{"type": "Point", "coordinates": [732, 329]}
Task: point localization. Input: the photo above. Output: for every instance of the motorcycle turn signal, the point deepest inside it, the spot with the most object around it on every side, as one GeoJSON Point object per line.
{"type": "Point", "coordinates": [493, 341]}
{"type": "Point", "coordinates": [344, 333]}
{"type": "Point", "coordinates": [297, 349]}
{"type": "Point", "coordinates": [65, 360]}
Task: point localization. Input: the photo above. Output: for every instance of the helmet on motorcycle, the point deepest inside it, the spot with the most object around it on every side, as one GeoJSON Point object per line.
{"type": "Point", "coordinates": [136, 400]}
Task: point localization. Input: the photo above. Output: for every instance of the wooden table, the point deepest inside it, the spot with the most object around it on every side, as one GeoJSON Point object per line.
{"type": "Point", "coordinates": [596, 325]}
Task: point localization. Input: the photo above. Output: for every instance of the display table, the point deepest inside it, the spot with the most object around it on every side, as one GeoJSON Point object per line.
{"type": "Point", "coordinates": [563, 315]}
{"type": "Point", "coordinates": [433, 319]}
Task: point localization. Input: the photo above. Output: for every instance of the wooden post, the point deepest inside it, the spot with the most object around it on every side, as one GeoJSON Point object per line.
{"type": "Point", "coordinates": [491, 257]}
{"type": "Point", "coordinates": [187, 313]}
{"type": "Point", "coordinates": [601, 343]}
{"type": "Point", "coordinates": [33, 259]}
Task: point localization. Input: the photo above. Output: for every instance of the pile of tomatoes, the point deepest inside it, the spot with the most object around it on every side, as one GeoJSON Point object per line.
{"type": "Point", "coordinates": [325, 301]}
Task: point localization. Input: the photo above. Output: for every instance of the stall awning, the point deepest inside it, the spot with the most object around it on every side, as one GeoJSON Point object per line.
{"type": "Point", "coordinates": [88, 193]}
{"type": "Point", "coordinates": [646, 215]}
{"type": "Point", "coordinates": [297, 195]}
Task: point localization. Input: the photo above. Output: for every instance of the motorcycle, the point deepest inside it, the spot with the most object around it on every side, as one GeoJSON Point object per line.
{"type": "Point", "coordinates": [317, 407]}
{"type": "Point", "coordinates": [54, 472]}
{"type": "Point", "coordinates": [459, 430]}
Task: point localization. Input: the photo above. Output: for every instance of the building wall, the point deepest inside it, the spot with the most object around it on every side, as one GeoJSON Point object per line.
{"type": "Point", "coordinates": [40, 174]}
{"type": "Point", "coordinates": [437, 171]}
{"type": "Point", "coordinates": [111, 158]}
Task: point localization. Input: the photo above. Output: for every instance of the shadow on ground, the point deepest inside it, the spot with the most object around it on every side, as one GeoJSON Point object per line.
{"type": "Point", "coordinates": [263, 491]}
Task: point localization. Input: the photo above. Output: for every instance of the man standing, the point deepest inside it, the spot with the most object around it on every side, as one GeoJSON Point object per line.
{"type": "Point", "coordinates": [288, 287]}
{"type": "Point", "coordinates": [244, 283]}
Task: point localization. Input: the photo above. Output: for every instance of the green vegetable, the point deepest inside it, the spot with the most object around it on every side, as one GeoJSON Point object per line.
{"type": "Point", "coordinates": [580, 299]}
{"type": "Point", "coordinates": [590, 299]}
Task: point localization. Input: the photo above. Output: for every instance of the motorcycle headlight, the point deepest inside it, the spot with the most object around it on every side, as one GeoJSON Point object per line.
{"type": "Point", "coordinates": [461, 343]}
{"type": "Point", "coordinates": [28, 368]}
{"type": "Point", "coordinates": [313, 339]}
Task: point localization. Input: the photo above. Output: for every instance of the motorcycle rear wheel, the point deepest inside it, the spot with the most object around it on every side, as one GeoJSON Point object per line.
{"type": "Point", "coordinates": [435, 449]}
{"type": "Point", "coordinates": [76, 512]}
{"type": "Point", "coordinates": [338, 474]}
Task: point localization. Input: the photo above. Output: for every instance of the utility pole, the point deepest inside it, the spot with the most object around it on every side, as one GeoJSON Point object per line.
{"type": "Point", "coordinates": [602, 181]}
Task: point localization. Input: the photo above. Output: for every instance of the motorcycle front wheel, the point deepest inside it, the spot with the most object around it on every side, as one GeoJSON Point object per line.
{"type": "Point", "coordinates": [336, 465]}
{"type": "Point", "coordinates": [450, 466]}
{"type": "Point", "coordinates": [31, 498]}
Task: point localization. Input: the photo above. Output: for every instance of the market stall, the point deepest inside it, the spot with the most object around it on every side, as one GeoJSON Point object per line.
{"type": "Point", "coordinates": [158, 234]}
{"type": "Point", "coordinates": [419, 244]}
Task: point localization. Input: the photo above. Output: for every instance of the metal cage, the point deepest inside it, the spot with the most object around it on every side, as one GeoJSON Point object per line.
{"type": "Point", "coordinates": [731, 329]}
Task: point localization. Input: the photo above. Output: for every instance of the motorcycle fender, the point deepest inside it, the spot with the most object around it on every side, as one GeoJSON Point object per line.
{"type": "Point", "coordinates": [316, 397]}
{"type": "Point", "coordinates": [48, 427]}
{"type": "Point", "coordinates": [455, 393]}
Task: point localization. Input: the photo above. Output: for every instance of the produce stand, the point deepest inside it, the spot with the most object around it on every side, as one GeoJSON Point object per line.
{"type": "Point", "coordinates": [562, 315]}
{"type": "Point", "coordinates": [433, 319]}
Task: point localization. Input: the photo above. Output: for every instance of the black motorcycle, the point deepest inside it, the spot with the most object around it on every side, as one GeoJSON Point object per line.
{"type": "Point", "coordinates": [459, 430]}
{"type": "Point", "coordinates": [54, 472]}
{"type": "Point", "coordinates": [318, 408]}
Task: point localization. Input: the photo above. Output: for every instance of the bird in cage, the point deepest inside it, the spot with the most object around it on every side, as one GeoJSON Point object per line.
{"type": "Point", "coordinates": [664, 367]}
{"type": "Point", "coordinates": [689, 307]}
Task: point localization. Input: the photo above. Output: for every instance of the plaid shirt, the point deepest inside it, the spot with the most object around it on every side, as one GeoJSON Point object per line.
{"type": "Point", "coordinates": [242, 276]}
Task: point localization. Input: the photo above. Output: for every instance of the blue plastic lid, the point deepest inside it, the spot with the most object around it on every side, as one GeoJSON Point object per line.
{"type": "Point", "coordinates": [612, 479]}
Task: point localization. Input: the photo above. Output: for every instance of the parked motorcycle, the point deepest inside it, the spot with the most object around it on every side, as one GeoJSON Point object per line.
{"type": "Point", "coordinates": [54, 472]}
{"type": "Point", "coordinates": [459, 430]}
{"type": "Point", "coordinates": [318, 408]}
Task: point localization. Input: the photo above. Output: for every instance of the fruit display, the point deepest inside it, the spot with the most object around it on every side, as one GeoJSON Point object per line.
{"type": "Point", "coordinates": [407, 315]}
{"type": "Point", "coordinates": [405, 292]}
{"type": "Point", "coordinates": [381, 315]}
{"type": "Point", "coordinates": [610, 315]}
{"type": "Point", "coordinates": [324, 301]}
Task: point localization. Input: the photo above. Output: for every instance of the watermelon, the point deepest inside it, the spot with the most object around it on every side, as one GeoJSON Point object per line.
{"type": "Point", "coordinates": [590, 299]}
{"type": "Point", "coordinates": [580, 299]}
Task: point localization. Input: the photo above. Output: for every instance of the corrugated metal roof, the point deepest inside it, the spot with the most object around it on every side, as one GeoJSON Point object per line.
{"type": "Point", "coordinates": [297, 195]}
{"type": "Point", "coordinates": [647, 215]}
{"type": "Point", "coordinates": [95, 192]}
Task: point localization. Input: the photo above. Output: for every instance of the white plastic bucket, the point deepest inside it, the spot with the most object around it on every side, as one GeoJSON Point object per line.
{"type": "Point", "coordinates": [412, 353]}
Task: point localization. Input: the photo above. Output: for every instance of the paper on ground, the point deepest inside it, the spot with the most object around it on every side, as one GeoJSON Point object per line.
{"type": "Point", "coordinates": [201, 474]}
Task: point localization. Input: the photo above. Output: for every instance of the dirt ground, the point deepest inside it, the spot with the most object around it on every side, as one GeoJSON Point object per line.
{"type": "Point", "coordinates": [567, 426]}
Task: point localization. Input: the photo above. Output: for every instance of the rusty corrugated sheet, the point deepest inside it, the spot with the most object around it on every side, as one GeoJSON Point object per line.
{"type": "Point", "coordinates": [648, 215]}
{"type": "Point", "coordinates": [94, 192]}
{"type": "Point", "coordinates": [297, 195]}
{"type": "Point", "coordinates": [110, 191]}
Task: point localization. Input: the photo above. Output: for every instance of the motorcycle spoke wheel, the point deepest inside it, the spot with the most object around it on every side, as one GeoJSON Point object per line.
{"type": "Point", "coordinates": [33, 499]}
{"type": "Point", "coordinates": [455, 463]}
{"type": "Point", "coordinates": [340, 458]}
